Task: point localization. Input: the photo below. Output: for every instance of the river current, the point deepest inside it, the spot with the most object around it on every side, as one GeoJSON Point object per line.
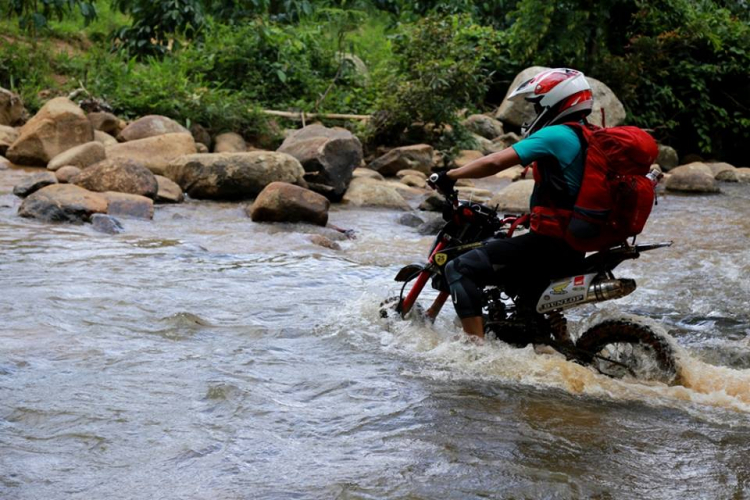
{"type": "Point", "coordinates": [203, 356]}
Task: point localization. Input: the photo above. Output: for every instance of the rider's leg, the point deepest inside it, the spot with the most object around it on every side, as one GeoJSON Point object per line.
{"type": "Point", "coordinates": [464, 277]}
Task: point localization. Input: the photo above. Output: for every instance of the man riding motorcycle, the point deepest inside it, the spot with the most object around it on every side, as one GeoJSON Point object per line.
{"type": "Point", "coordinates": [559, 96]}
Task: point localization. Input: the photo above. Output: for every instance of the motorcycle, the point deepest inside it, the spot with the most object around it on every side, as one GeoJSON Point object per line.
{"type": "Point", "coordinates": [615, 347]}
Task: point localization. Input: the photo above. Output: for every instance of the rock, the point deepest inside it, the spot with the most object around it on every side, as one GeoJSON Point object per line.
{"type": "Point", "coordinates": [514, 174]}
{"type": "Point", "coordinates": [693, 167]}
{"type": "Point", "coordinates": [64, 174]}
{"type": "Point", "coordinates": [466, 156]}
{"type": "Point", "coordinates": [59, 126]}
{"type": "Point", "coordinates": [514, 198]}
{"type": "Point", "coordinates": [129, 205]}
{"type": "Point", "coordinates": [151, 126]}
{"type": "Point", "coordinates": [80, 156]}
{"type": "Point", "coordinates": [201, 148]}
{"type": "Point", "coordinates": [724, 172]}
{"type": "Point", "coordinates": [155, 153]}
{"type": "Point", "coordinates": [417, 157]}
{"type": "Point", "coordinates": [486, 146]}
{"type": "Point", "coordinates": [322, 241]}
{"type": "Point", "coordinates": [516, 113]}
{"type": "Point", "coordinates": [116, 174]}
{"type": "Point", "coordinates": [11, 108]}
{"type": "Point", "coordinates": [34, 183]}
{"type": "Point", "coordinates": [484, 126]}
{"type": "Point", "coordinates": [743, 174]}
{"type": "Point", "coordinates": [169, 191]}
{"type": "Point", "coordinates": [328, 155]}
{"type": "Point", "coordinates": [354, 69]}
{"type": "Point", "coordinates": [410, 220]}
{"type": "Point", "coordinates": [105, 122]}
{"type": "Point", "coordinates": [63, 203]}
{"type": "Point", "coordinates": [414, 181]}
{"type": "Point", "coordinates": [691, 181]}
{"type": "Point", "coordinates": [8, 135]}
{"type": "Point", "coordinates": [106, 224]}
{"type": "Point", "coordinates": [433, 203]}
{"type": "Point", "coordinates": [4, 163]}
{"type": "Point", "coordinates": [233, 176]}
{"type": "Point", "coordinates": [284, 202]}
{"type": "Point", "coordinates": [403, 173]}
{"type": "Point", "coordinates": [506, 140]}
{"type": "Point", "coordinates": [404, 189]}
{"type": "Point", "coordinates": [374, 194]}
{"type": "Point", "coordinates": [472, 193]}
{"type": "Point", "coordinates": [200, 135]}
{"type": "Point", "coordinates": [230, 143]}
{"type": "Point", "coordinates": [431, 227]}
{"type": "Point", "coordinates": [465, 183]}
{"type": "Point", "coordinates": [104, 138]}
{"type": "Point", "coordinates": [367, 174]}
{"type": "Point", "coordinates": [667, 158]}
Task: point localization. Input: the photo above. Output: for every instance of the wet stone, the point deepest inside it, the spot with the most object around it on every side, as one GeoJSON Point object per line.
{"type": "Point", "coordinates": [106, 224]}
{"type": "Point", "coordinates": [431, 227]}
{"type": "Point", "coordinates": [322, 241]}
{"type": "Point", "coordinates": [34, 183]}
{"type": "Point", "coordinates": [410, 220]}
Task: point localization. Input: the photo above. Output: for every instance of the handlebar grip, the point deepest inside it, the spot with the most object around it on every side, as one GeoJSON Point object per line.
{"type": "Point", "coordinates": [434, 178]}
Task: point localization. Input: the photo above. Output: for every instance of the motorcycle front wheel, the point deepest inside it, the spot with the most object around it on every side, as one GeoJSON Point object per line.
{"type": "Point", "coordinates": [621, 348]}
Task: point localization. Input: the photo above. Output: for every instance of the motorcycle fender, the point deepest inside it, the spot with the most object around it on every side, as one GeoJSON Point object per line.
{"type": "Point", "coordinates": [565, 293]}
{"type": "Point", "coordinates": [408, 272]}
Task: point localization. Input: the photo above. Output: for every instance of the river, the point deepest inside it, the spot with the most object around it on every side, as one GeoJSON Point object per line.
{"type": "Point", "coordinates": [203, 356]}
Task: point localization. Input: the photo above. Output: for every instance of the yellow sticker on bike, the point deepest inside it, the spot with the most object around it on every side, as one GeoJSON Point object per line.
{"type": "Point", "coordinates": [440, 259]}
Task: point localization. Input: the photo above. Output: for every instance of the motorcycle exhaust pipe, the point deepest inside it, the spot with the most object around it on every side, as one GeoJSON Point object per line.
{"type": "Point", "coordinates": [602, 290]}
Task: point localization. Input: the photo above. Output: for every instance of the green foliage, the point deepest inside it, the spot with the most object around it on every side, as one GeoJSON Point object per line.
{"type": "Point", "coordinates": [157, 25]}
{"type": "Point", "coordinates": [440, 71]}
{"type": "Point", "coordinates": [35, 15]}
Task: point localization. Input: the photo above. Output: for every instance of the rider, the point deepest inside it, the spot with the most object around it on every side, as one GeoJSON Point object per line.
{"type": "Point", "coordinates": [559, 96]}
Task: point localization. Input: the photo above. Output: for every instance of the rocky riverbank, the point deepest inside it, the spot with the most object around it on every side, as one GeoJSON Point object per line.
{"type": "Point", "coordinates": [98, 164]}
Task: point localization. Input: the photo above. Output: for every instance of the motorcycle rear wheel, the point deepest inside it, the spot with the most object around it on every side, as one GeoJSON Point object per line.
{"type": "Point", "coordinates": [621, 348]}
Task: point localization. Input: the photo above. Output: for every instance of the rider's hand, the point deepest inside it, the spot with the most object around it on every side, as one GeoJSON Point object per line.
{"type": "Point", "coordinates": [440, 181]}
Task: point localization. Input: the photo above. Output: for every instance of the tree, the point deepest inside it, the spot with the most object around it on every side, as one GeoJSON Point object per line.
{"type": "Point", "coordinates": [34, 15]}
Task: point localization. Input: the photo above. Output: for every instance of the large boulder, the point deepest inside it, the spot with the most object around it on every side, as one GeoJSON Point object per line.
{"type": "Point", "coordinates": [65, 174]}
{"type": "Point", "coordinates": [724, 172]}
{"type": "Point", "coordinates": [104, 138]}
{"type": "Point", "coordinates": [129, 205]}
{"type": "Point", "coordinates": [34, 183]}
{"type": "Point", "coordinates": [233, 176]}
{"type": "Point", "coordinates": [517, 113]}
{"type": "Point", "coordinates": [169, 191]}
{"type": "Point", "coordinates": [156, 153]}
{"type": "Point", "coordinates": [11, 108]}
{"type": "Point", "coordinates": [122, 176]}
{"type": "Point", "coordinates": [417, 157]}
{"type": "Point", "coordinates": [229, 142]}
{"type": "Point", "coordinates": [59, 126]}
{"type": "Point", "coordinates": [151, 126]}
{"type": "Point", "coordinates": [367, 173]}
{"type": "Point", "coordinates": [328, 155]}
{"type": "Point", "coordinates": [514, 197]}
{"type": "Point", "coordinates": [743, 174]}
{"type": "Point", "coordinates": [80, 156]}
{"type": "Point", "coordinates": [370, 193]}
{"type": "Point", "coordinates": [105, 122]}
{"type": "Point", "coordinates": [63, 203]}
{"type": "Point", "coordinates": [284, 202]}
{"type": "Point", "coordinates": [694, 177]}
{"type": "Point", "coordinates": [466, 156]}
{"type": "Point", "coordinates": [484, 126]}
{"type": "Point", "coordinates": [667, 158]}
{"type": "Point", "coordinates": [200, 134]}
{"type": "Point", "coordinates": [8, 135]}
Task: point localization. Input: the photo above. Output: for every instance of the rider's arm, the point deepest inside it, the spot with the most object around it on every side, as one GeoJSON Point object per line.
{"type": "Point", "coordinates": [487, 165]}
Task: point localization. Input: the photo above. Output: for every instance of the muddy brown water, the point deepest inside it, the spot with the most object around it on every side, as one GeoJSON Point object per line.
{"type": "Point", "coordinates": [204, 356]}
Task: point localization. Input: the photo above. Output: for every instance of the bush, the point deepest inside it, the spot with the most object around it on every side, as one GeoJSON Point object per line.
{"type": "Point", "coordinates": [440, 72]}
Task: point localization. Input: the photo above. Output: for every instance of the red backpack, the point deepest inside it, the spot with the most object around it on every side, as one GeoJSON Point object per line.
{"type": "Point", "coordinates": [616, 197]}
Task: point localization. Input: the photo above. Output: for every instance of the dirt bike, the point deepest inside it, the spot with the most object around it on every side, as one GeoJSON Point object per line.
{"type": "Point", "coordinates": [615, 347]}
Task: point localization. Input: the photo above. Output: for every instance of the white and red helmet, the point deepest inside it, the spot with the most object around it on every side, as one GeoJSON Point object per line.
{"type": "Point", "coordinates": [557, 94]}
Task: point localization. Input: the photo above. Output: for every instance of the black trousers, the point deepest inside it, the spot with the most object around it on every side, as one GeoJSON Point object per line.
{"type": "Point", "coordinates": [525, 263]}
